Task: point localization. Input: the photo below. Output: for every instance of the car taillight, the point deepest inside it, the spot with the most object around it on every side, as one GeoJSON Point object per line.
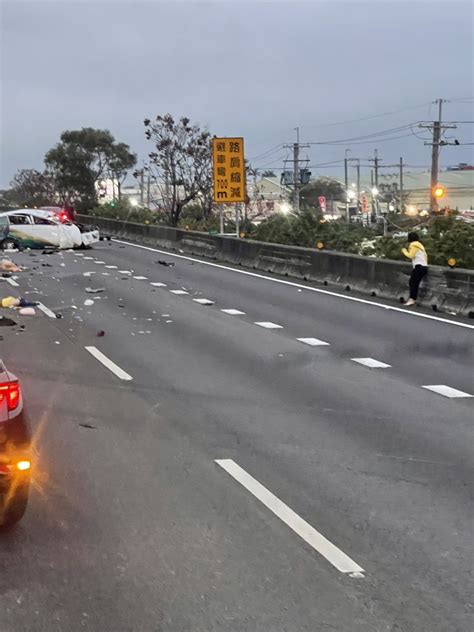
{"type": "Point", "coordinates": [11, 392]}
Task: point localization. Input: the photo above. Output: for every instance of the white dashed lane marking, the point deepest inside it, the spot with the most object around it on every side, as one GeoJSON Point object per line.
{"type": "Point", "coordinates": [100, 262]}
{"type": "Point", "coordinates": [158, 284]}
{"type": "Point", "coordinates": [103, 359]}
{"type": "Point", "coordinates": [400, 310]}
{"type": "Point", "coordinates": [203, 301]}
{"type": "Point", "coordinates": [88, 258]}
{"type": "Point", "coordinates": [12, 282]}
{"type": "Point", "coordinates": [179, 292]}
{"type": "Point", "coordinates": [313, 342]}
{"type": "Point", "coordinates": [233, 312]}
{"type": "Point", "coordinates": [112, 267]}
{"type": "Point", "coordinates": [447, 391]}
{"type": "Point", "coordinates": [322, 545]}
{"type": "Point", "coordinates": [371, 363]}
{"type": "Point", "coordinates": [141, 278]}
{"type": "Point", "coordinates": [125, 272]}
{"type": "Point", "coordinates": [268, 325]}
{"type": "Point", "coordinates": [46, 310]}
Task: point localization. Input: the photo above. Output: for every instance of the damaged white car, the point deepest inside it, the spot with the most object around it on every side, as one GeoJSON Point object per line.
{"type": "Point", "coordinates": [34, 228]}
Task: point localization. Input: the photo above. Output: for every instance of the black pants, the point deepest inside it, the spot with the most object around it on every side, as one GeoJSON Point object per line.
{"type": "Point", "coordinates": [417, 274]}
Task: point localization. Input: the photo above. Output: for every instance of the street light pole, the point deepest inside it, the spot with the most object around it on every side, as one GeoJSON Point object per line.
{"type": "Point", "coordinates": [346, 186]}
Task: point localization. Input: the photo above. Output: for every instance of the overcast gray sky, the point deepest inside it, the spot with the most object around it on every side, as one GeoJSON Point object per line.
{"type": "Point", "coordinates": [255, 69]}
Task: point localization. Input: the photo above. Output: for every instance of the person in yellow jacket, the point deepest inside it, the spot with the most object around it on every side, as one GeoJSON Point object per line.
{"type": "Point", "coordinates": [417, 253]}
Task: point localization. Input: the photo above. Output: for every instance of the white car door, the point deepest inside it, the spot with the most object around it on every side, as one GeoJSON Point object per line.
{"type": "Point", "coordinates": [22, 230]}
{"type": "Point", "coordinates": [45, 231]}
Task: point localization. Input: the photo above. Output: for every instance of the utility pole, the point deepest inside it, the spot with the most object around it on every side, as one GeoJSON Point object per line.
{"type": "Point", "coordinates": [358, 181]}
{"type": "Point", "coordinates": [142, 186]}
{"type": "Point", "coordinates": [346, 187]}
{"type": "Point", "coordinates": [296, 169]}
{"type": "Point", "coordinates": [148, 191]}
{"type": "Point", "coordinates": [435, 157]}
{"type": "Point", "coordinates": [436, 127]}
{"type": "Point", "coordinates": [401, 185]}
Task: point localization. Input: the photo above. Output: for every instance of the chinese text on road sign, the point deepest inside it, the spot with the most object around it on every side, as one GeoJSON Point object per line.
{"type": "Point", "coordinates": [228, 170]}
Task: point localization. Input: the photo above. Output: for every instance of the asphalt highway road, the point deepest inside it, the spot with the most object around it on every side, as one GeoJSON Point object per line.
{"type": "Point", "coordinates": [214, 467]}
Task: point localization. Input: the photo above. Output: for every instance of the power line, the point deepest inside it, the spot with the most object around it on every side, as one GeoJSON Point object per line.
{"type": "Point", "coordinates": [368, 118]}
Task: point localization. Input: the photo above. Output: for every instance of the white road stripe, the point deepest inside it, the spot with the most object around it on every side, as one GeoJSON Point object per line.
{"type": "Point", "coordinates": [98, 355]}
{"type": "Point", "coordinates": [371, 363]}
{"type": "Point", "coordinates": [447, 391]}
{"type": "Point", "coordinates": [355, 299]}
{"type": "Point", "coordinates": [141, 278]}
{"type": "Point", "coordinates": [327, 549]}
{"type": "Point", "coordinates": [89, 258]}
{"type": "Point", "coordinates": [13, 282]}
{"type": "Point", "coordinates": [125, 272]}
{"type": "Point", "coordinates": [313, 342]}
{"type": "Point", "coordinates": [99, 262]}
{"type": "Point", "coordinates": [268, 325]}
{"type": "Point", "coordinates": [79, 254]}
{"type": "Point", "coordinates": [203, 301]}
{"type": "Point", "coordinates": [112, 267]}
{"type": "Point", "coordinates": [233, 312]}
{"type": "Point", "coordinates": [46, 310]}
{"type": "Point", "coordinates": [179, 292]}
{"type": "Point", "coordinates": [158, 284]}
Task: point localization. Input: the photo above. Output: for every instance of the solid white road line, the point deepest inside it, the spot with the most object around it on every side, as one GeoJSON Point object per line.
{"type": "Point", "coordinates": [355, 299]}
{"type": "Point", "coordinates": [12, 282]}
{"type": "Point", "coordinates": [179, 292]}
{"type": "Point", "coordinates": [268, 325]}
{"type": "Point", "coordinates": [327, 549]}
{"type": "Point", "coordinates": [371, 363]}
{"type": "Point", "coordinates": [233, 312]}
{"type": "Point", "coordinates": [158, 284]}
{"type": "Point", "coordinates": [116, 370]}
{"type": "Point", "coordinates": [46, 310]}
{"type": "Point", "coordinates": [203, 301]}
{"type": "Point", "coordinates": [447, 391]}
{"type": "Point", "coordinates": [141, 278]}
{"type": "Point", "coordinates": [313, 342]}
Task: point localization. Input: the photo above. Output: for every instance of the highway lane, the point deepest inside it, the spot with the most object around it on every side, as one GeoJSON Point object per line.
{"type": "Point", "coordinates": [374, 462]}
{"type": "Point", "coordinates": [415, 346]}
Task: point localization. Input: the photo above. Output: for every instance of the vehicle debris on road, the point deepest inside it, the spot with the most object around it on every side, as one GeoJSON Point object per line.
{"type": "Point", "coordinates": [94, 290]}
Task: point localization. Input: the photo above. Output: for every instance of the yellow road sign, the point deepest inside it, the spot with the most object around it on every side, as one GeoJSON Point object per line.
{"type": "Point", "coordinates": [228, 170]}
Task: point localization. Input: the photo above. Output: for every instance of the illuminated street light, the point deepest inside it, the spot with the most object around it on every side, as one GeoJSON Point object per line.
{"type": "Point", "coordinates": [439, 192]}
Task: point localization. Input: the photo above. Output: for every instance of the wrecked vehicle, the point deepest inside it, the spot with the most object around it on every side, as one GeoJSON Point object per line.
{"type": "Point", "coordinates": [15, 447]}
{"type": "Point", "coordinates": [35, 228]}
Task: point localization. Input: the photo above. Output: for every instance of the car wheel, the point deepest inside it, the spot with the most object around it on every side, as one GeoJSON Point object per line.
{"type": "Point", "coordinates": [9, 244]}
{"type": "Point", "coordinates": [16, 508]}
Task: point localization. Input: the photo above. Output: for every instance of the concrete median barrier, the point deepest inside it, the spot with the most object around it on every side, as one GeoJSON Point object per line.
{"type": "Point", "coordinates": [445, 289]}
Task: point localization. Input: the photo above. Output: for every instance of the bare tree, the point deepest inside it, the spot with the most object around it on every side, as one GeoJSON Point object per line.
{"type": "Point", "coordinates": [179, 165]}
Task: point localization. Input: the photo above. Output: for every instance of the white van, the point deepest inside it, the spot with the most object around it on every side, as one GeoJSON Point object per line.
{"type": "Point", "coordinates": [34, 228]}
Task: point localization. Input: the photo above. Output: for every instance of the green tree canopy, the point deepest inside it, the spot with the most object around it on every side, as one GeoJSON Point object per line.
{"type": "Point", "coordinates": [84, 157]}
{"type": "Point", "coordinates": [30, 187]}
{"type": "Point", "coordinates": [331, 189]}
{"type": "Point", "coordinates": [180, 164]}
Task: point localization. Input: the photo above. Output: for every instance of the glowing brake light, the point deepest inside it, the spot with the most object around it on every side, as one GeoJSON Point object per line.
{"type": "Point", "coordinates": [11, 392]}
